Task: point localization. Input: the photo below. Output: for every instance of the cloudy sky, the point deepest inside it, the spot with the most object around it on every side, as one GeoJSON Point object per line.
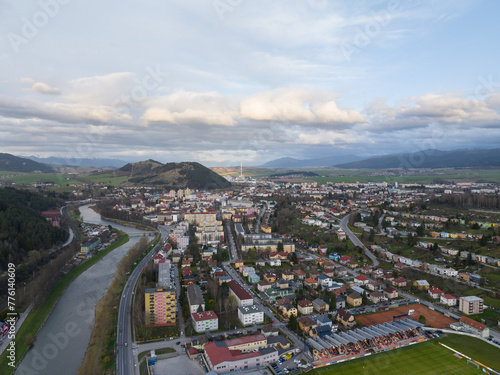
{"type": "Point", "coordinates": [219, 81]}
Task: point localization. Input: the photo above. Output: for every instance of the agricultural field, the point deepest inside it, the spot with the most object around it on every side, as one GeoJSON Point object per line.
{"type": "Point", "coordinates": [32, 178]}
{"type": "Point", "coordinates": [425, 358]}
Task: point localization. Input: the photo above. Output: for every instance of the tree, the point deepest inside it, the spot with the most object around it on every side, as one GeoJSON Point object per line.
{"type": "Point", "coordinates": [483, 241]}
{"type": "Point", "coordinates": [333, 301]}
{"type": "Point", "coordinates": [372, 235]}
{"type": "Point", "coordinates": [293, 258]}
{"type": "Point", "coordinates": [421, 229]}
{"type": "Point", "coordinates": [422, 319]}
{"type": "Point", "coordinates": [233, 303]}
{"type": "Point", "coordinates": [280, 247]}
{"type": "Point", "coordinates": [292, 323]}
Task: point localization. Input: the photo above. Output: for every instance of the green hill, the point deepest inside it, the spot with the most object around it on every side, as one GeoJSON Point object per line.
{"type": "Point", "coordinates": [172, 175]}
{"type": "Point", "coordinates": [11, 163]}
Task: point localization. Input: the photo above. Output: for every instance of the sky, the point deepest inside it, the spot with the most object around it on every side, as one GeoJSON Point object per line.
{"type": "Point", "coordinates": [224, 81]}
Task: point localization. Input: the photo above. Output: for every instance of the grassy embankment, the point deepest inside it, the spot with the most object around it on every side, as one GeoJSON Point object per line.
{"type": "Point", "coordinates": [100, 357]}
{"type": "Point", "coordinates": [38, 315]}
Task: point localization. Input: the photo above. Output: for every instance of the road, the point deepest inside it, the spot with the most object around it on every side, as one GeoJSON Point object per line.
{"type": "Point", "coordinates": [233, 254]}
{"type": "Point", "coordinates": [356, 241]}
{"type": "Point", "coordinates": [257, 223]}
{"type": "Point", "coordinates": [124, 348]}
{"type": "Point", "coordinates": [380, 226]}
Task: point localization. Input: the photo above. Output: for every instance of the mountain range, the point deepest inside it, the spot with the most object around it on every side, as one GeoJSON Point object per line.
{"type": "Point", "coordinates": [80, 162]}
{"type": "Point", "coordinates": [11, 163]}
{"type": "Point", "coordinates": [327, 161]}
{"type": "Point", "coordinates": [430, 159]}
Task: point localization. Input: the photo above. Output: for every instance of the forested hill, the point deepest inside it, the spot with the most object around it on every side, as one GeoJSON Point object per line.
{"type": "Point", "coordinates": [173, 175]}
{"type": "Point", "coordinates": [23, 229]}
{"type": "Point", "coordinates": [13, 163]}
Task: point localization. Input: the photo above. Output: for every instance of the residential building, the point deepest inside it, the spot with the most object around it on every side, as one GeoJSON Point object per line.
{"type": "Point", "coordinates": [354, 299]}
{"type": "Point", "coordinates": [205, 321]}
{"type": "Point", "coordinates": [195, 298]}
{"type": "Point", "coordinates": [320, 306]}
{"type": "Point", "coordinates": [391, 293]}
{"type": "Point", "coordinates": [160, 306]}
{"type": "Point", "coordinates": [242, 296]}
{"type": "Point", "coordinates": [305, 307]}
{"type": "Point", "coordinates": [250, 315]}
{"type": "Point", "coordinates": [345, 318]}
{"type": "Point", "coordinates": [435, 293]}
{"type": "Point", "coordinates": [475, 327]}
{"type": "Point", "coordinates": [339, 302]}
{"type": "Point", "coordinates": [421, 284]}
{"type": "Point", "coordinates": [448, 300]}
{"type": "Point", "coordinates": [289, 310]}
{"type": "Point", "coordinates": [306, 324]}
{"type": "Point", "coordinates": [470, 305]}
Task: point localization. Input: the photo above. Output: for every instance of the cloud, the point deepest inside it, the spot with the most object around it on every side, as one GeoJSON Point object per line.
{"type": "Point", "coordinates": [208, 108]}
{"type": "Point", "coordinates": [298, 106]}
{"type": "Point", "coordinates": [40, 87]}
{"type": "Point", "coordinates": [450, 108]}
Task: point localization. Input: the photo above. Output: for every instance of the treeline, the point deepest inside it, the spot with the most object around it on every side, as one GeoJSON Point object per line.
{"type": "Point", "coordinates": [284, 215]}
{"type": "Point", "coordinates": [100, 355]}
{"type": "Point", "coordinates": [25, 236]}
{"type": "Point", "coordinates": [468, 200]}
{"type": "Point", "coordinates": [106, 210]}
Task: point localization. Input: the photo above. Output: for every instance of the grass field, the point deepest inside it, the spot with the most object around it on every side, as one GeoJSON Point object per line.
{"type": "Point", "coordinates": [477, 349]}
{"type": "Point", "coordinates": [31, 178]}
{"type": "Point", "coordinates": [425, 358]}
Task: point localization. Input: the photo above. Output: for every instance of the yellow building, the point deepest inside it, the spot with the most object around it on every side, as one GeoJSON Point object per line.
{"type": "Point", "coordinates": [354, 299]}
{"type": "Point", "coordinates": [199, 217]}
{"type": "Point", "coordinates": [289, 310]}
{"type": "Point", "coordinates": [160, 306]}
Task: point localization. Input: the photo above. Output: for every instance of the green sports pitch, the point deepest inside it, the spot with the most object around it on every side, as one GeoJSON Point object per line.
{"type": "Point", "coordinates": [425, 358]}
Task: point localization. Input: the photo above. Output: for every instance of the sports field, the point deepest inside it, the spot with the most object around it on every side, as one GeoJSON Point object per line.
{"type": "Point", "coordinates": [433, 318]}
{"type": "Point", "coordinates": [425, 358]}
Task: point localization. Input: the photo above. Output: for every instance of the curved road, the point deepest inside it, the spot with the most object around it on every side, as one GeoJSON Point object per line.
{"type": "Point", "coordinates": [356, 241]}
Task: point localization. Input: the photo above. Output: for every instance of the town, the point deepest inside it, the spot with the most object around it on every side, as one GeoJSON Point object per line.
{"type": "Point", "coordinates": [296, 276]}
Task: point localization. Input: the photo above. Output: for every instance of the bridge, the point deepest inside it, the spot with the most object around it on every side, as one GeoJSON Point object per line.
{"type": "Point", "coordinates": [141, 233]}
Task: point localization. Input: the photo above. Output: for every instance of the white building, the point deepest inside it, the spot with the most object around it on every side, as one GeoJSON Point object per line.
{"type": "Point", "coordinates": [182, 242]}
{"type": "Point", "coordinates": [205, 321]}
{"type": "Point", "coordinates": [250, 315]}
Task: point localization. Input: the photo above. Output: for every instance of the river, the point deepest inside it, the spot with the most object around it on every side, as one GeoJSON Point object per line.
{"type": "Point", "coordinates": [61, 344]}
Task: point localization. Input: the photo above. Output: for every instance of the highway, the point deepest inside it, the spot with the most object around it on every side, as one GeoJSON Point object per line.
{"type": "Point", "coordinates": [356, 241]}
{"type": "Point", "coordinates": [124, 349]}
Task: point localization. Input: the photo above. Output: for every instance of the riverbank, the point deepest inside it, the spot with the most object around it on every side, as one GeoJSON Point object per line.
{"type": "Point", "coordinates": [39, 315]}
{"type": "Point", "coordinates": [122, 222]}
{"type": "Point", "coordinates": [100, 356]}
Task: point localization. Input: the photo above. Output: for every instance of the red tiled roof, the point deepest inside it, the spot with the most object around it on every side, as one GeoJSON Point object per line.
{"type": "Point", "coordinates": [472, 323]}
{"type": "Point", "coordinates": [245, 340]}
{"type": "Point", "coordinates": [448, 296]}
{"type": "Point", "coordinates": [435, 290]}
{"type": "Point", "coordinates": [361, 277]}
{"type": "Point", "coordinates": [204, 315]}
{"type": "Point", "coordinates": [218, 354]}
{"type": "Point", "coordinates": [305, 303]}
{"type": "Point", "coordinates": [237, 289]}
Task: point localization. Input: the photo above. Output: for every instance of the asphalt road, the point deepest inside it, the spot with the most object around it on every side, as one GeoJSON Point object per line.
{"type": "Point", "coordinates": [356, 241]}
{"type": "Point", "coordinates": [124, 348]}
